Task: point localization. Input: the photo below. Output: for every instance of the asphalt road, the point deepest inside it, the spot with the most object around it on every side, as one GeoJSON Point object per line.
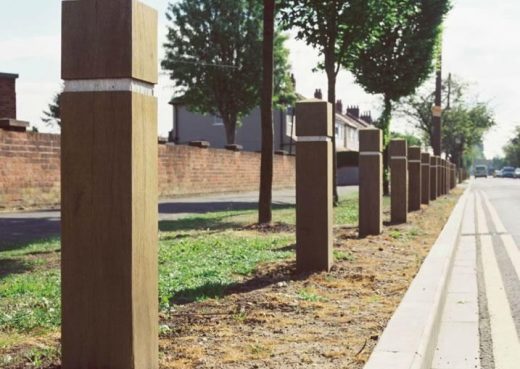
{"type": "Point", "coordinates": [22, 227]}
{"type": "Point", "coordinates": [481, 319]}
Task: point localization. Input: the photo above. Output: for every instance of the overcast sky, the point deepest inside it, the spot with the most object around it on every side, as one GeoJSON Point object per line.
{"type": "Point", "coordinates": [481, 46]}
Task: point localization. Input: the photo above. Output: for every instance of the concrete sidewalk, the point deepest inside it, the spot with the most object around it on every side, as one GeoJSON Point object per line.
{"type": "Point", "coordinates": [25, 226]}
{"type": "Point", "coordinates": [462, 311]}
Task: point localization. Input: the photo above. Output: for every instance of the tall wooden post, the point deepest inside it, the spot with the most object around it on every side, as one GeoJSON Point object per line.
{"type": "Point", "coordinates": [433, 178]}
{"type": "Point", "coordinates": [414, 178]}
{"type": "Point", "coordinates": [425, 178]}
{"type": "Point", "coordinates": [370, 182]}
{"type": "Point", "coordinates": [109, 185]}
{"type": "Point", "coordinates": [437, 109]}
{"type": "Point", "coordinates": [399, 181]}
{"type": "Point", "coordinates": [314, 213]}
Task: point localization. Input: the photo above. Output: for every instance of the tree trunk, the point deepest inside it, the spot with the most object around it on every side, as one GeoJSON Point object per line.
{"type": "Point", "coordinates": [330, 69]}
{"type": "Point", "coordinates": [266, 165]}
{"type": "Point", "coordinates": [230, 125]}
{"type": "Point", "coordinates": [384, 125]}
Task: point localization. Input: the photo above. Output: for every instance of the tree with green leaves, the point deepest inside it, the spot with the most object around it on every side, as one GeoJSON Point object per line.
{"type": "Point", "coordinates": [51, 116]}
{"type": "Point", "coordinates": [336, 28]}
{"type": "Point", "coordinates": [410, 138]}
{"type": "Point", "coordinates": [465, 121]}
{"type": "Point", "coordinates": [401, 58]}
{"type": "Point", "coordinates": [214, 56]}
{"type": "Point", "coordinates": [512, 149]}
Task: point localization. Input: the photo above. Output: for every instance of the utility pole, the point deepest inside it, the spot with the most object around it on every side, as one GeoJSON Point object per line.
{"type": "Point", "coordinates": [437, 109]}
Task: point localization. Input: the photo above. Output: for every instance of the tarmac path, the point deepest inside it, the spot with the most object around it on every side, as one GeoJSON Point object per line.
{"type": "Point", "coordinates": [26, 226]}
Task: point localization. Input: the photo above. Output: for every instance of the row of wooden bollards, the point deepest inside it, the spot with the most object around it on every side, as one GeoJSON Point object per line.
{"type": "Point", "coordinates": [416, 178]}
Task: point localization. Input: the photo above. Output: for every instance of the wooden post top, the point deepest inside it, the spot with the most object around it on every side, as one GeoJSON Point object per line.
{"type": "Point", "coordinates": [398, 148]}
{"type": "Point", "coordinates": [425, 157]}
{"type": "Point", "coordinates": [313, 118]}
{"type": "Point", "coordinates": [414, 153]}
{"type": "Point", "coordinates": [109, 39]}
{"type": "Point", "coordinates": [370, 139]}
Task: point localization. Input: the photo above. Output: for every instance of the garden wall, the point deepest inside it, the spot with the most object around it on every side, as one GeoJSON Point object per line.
{"type": "Point", "coordinates": [30, 170]}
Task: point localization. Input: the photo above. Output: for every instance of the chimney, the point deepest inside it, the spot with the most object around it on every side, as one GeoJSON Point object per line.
{"type": "Point", "coordinates": [8, 95]}
{"type": "Point", "coordinates": [353, 111]}
{"type": "Point", "coordinates": [8, 120]}
{"type": "Point", "coordinates": [339, 107]}
{"type": "Point", "coordinates": [318, 94]}
{"type": "Point", "coordinates": [367, 117]}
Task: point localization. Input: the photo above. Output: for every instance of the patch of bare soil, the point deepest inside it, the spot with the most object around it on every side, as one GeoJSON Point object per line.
{"type": "Point", "coordinates": [279, 319]}
{"type": "Point", "coordinates": [276, 227]}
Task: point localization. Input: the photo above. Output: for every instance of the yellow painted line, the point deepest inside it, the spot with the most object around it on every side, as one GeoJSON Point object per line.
{"type": "Point", "coordinates": [506, 345]}
{"type": "Point", "coordinates": [482, 227]}
{"type": "Point", "coordinates": [499, 226]}
{"type": "Point", "coordinates": [512, 251]}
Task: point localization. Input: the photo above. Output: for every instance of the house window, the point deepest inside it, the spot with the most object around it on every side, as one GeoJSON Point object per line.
{"type": "Point", "coordinates": [218, 121]}
{"type": "Point", "coordinates": [340, 133]}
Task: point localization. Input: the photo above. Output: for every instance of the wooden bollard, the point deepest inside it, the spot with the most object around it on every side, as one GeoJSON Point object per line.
{"type": "Point", "coordinates": [425, 178]}
{"type": "Point", "coordinates": [370, 182]}
{"type": "Point", "coordinates": [440, 175]}
{"type": "Point", "coordinates": [414, 178]}
{"type": "Point", "coordinates": [444, 176]}
{"type": "Point", "coordinates": [448, 177]}
{"type": "Point", "coordinates": [314, 216]}
{"type": "Point", "coordinates": [109, 186]}
{"type": "Point", "coordinates": [398, 181]}
{"type": "Point", "coordinates": [433, 178]}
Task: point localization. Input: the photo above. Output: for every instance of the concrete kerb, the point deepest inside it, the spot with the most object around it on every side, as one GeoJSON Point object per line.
{"type": "Point", "coordinates": [410, 338]}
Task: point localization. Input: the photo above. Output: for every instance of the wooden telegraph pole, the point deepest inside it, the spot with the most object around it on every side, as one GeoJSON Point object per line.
{"type": "Point", "coordinates": [109, 185]}
{"type": "Point", "coordinates": [437, 110]}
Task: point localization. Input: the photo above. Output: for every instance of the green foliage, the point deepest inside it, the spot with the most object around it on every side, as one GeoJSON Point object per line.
{"type": "Point", "coordinates": [336, 28]}
{"type": "Point", "coordinates": [51, 116]}
{"type": "Point", "coordinates": [411, 139]}
{"type": "Point", "coordinates": [401, 58]}
{"type": "Point", "coordinates": [214, 56]}
{"type": "Point", "coordinates": [512, 150]}
{"type": "Point", "coordinates": [464, 123]}
{"type": "Point", "coordinates": [308, 294]}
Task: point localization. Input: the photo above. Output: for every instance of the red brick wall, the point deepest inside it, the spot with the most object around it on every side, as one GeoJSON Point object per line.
{"type": "Point", "coordinates": [7, 98]}
{"type": "Point", "coordinates": [186, 170]}
{"type": "Point", "coordinates": [30, 170]}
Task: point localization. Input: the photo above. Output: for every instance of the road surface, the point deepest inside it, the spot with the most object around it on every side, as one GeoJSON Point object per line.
{"type": "Point", "coordinates": [22, 227]}
{"type": "Point", "coordinates": [480, 324]}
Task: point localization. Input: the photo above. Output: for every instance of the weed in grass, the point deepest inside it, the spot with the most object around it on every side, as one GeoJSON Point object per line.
{"type": "Point", "coordinates": [308, 294]}
{"type": "Point", "coordinates": [395, 234]}
{"type": "Point", "coordinates": [343, 256]}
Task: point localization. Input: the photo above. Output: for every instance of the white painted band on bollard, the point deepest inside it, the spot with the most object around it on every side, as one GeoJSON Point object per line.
{"type": "Point", "coordinates": [414, 161]}
{"type": "Point", "coordinates": [398, 158]}
{"type": "Point", "coordinates": [313, 139]}
{"type": "Point", "coordinates": [109, 85]}
{"type": "Point", "coordinates": [369, 153]}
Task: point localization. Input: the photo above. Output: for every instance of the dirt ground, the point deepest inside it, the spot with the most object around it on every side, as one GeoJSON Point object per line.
{"type": "Point", "coordinates": [278, 319]}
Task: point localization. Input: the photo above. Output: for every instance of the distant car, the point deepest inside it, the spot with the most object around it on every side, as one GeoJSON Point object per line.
{"type": "Point", "coordinates": [497, 173]}
{"type": "Point", "coordinates": [481, 171]}
{"type": "Point", "coordinates": [508, 172]}
{"type": "Point", "coordinates": [517, 173]}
